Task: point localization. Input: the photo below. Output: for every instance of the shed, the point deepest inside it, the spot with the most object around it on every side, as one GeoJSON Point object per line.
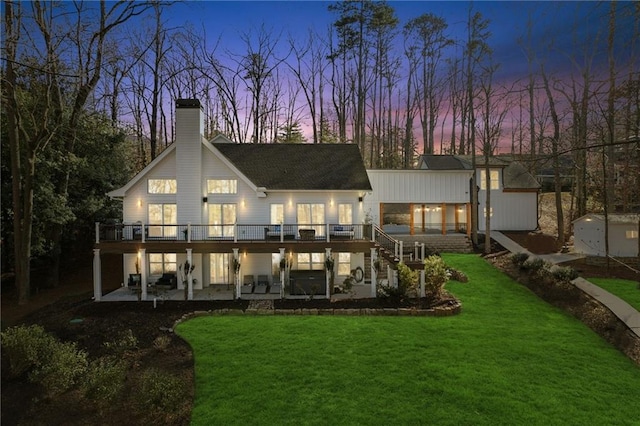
{"type": "Point", "coordinates": [588, 232]}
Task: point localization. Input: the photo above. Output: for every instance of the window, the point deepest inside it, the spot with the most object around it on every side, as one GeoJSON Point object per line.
{"type": "Point", "coordinates": [162, 186]}
{"type": "Point", "coordinates": [484, 212]}
{"type": "Point", "coordinates": [631, 234]}
{"type": "Point", "coordinates": [344, 263]}
{"type": "Point", "coordinates": [219, 267]}
{"type": "Point", "coordinates": [311, 261]}
{"type": "Point", "coordinates": [495, 179]}
{"type": "Point", "coordinates": [159, 263]}
{"type": "Point", "coordinates": [222, 186]}
{"type": "Point", "coordinates": [222, 217]}
{"type": "Point", "coordinates": [345, 214]}
{"type": "Point", "coordinates": [311, 214]}
{"type": "Point", "coordinates": [277, 214]}
{"type": "Point", "coordinates": [163, 215]}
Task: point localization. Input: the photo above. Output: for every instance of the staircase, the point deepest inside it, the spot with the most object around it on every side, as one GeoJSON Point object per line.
{"type": "Point", "coordinates": [451, 243]}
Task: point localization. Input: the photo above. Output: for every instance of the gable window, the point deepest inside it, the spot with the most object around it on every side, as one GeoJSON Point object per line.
{"type": "Point", "coordinates": [222, 186]}
{"type": "Point", "coordinates": [310, 261]}
{"type": "Point", "coordinates": [277, 214]}
{"type": "Point", "coordinates": [311, 216]}
{"type": "Point", "coordinates": [160, 263]}
{"type": "Point", "coordinates": [222, 217]}
{"type": "Point", "coordinates": [494, 175]}
{"type": "Point", "coordinates": [162, 186]}
{"type": "Point", "coordinates": [161, 217]}
{"type": "Point", "coordinates": [344, 263]}
{"type": "Point", "coordinates": [345, 214]}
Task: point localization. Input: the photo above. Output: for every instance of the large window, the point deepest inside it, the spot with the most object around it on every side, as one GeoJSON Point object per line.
{"type": "Point", "coordinates": [162, 215]}
{"type": "Point", "coordinates": [222, 217]}
{"type": "Point", "coordinates": [311, 216]}
{"type": "Point", "coordinates": [159, 263]}
{"type": "Point", "coordinates": [222, 186]}
{"type": "Point", "coordinates": [277, 214]}
{"type": "Point", "coordinates": [219, 267]}
{"type": "Point", "coordinates": [311, 261]}
{"type": "Point", "coordinates": [344, 263]}
{"type": "Point", "coordinates": [162, 186]}
{"type": "Point", "coordinates": [345, 214]}
{"type": "Point", "coordinates": [495, 179]}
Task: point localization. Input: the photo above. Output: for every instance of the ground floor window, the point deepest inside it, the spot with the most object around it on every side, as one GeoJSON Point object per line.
{"type": "Point", "coordinates": [219, 268]}
{"type": "Point", "coordinates": [310, 261]}
{"type": "Point", "coordinates": [160, 263]}
{"type": "Point", "coordinates": [344, 263]}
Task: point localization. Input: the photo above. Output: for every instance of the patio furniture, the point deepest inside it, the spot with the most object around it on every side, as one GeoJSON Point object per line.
{"type": "Point", "coordinates": [276, 287]}
{"type": "Point", "coordinates": [247, 285]}
{"type": "Point", "coordinates": [307, 234]}
{"type": "Point", "coordinates": [167, 281]}
{"type": "Point", "coordinates": [307, 282]}
{"type": "Point", "coordinates": [263, 283]}
{"type": "Point", "coordinates": [341, 232]}
{"type": "Point", "coordinates": [273, 232]}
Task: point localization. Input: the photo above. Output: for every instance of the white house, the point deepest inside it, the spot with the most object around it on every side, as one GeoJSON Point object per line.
{"type": "Point", "coordinates": [224, 206]}
{"type": "Point", "coordinates": [589, 238]}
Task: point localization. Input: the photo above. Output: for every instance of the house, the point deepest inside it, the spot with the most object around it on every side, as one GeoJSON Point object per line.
{"type": "Point", "coordinates": [435, 198]}
{"type": "Point", "coordinates": [589, 235]}
{"type": "Point", "coordinates": [238, 212]}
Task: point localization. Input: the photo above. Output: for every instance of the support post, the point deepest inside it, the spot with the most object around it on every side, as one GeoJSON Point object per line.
{"type": "Point", "coordinates": [236, 256]}
{"type": "Point", "coordinates": [97, 275]}
{"type": "Point", "coordinates": [143, 231]}
{"type": "Point", "coordinates": [97, 232]}
{"type": "Point", "coordinates": [327, 254]}
{"type": "Point", "coordinates": [189, 232]}
{"type": "Point", "coordinates": [189, 275]}
{"type": "Point", "coordinates": [374, 273]}
{"type": "Point", "coordinates": [444, 219]}
{"type": "Point", "coordinates": [282, 271]}
{"type": "Point", "coordinates": [142, 257]}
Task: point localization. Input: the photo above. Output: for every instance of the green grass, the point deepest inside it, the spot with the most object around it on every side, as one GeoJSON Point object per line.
{"type": "Point", "coordinates": [625, 289]}
{"type": "Point", "coordinates": [507, 359]}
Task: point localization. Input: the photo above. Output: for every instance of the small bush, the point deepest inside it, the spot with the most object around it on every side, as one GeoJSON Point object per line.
{"type": "Point", "coordinates": [125, 342]}
{"type": "Point", "coordinates": [564, 273]}
{"type": "Point", "coordinates": [63, 365]}
{"type": "Point", "coordinates": [408, 280]}
{"type": "Point", "coordinates": [519, 258]}
{"type": "Point", "coordinates": [105, 379]}
{"type": "Point", "coordinates": [436, 276]}
{"type": "Point", "coordinates": [533, 265]}
{"type": "Point", "coordinates": [161, 343]}
{"type": "Point", "coordinates": [160, 391]}
{"type": "Point", "coordinates": [25, 347]}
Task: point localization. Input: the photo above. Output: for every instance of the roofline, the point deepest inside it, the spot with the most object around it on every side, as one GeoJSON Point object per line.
{"type": "Point", "coordinates": [215, 151]}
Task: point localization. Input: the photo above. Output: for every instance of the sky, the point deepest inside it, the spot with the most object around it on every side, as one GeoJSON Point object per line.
{"type": "Point", "coordinates": [559, 23]}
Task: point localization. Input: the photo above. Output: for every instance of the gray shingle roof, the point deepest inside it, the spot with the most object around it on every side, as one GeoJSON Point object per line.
{"type": "Point", "coordinates": [299, 166]}
{"type": "Point", "coordinates": [516, 176]}
{"type": "Point", "coordinates": [443, 162]}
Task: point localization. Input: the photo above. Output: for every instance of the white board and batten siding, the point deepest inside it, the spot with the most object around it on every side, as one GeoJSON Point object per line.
{"type": "Point", "coordinates": [589, 238]}
{"type": "Point", "coordinates": [189, 131]}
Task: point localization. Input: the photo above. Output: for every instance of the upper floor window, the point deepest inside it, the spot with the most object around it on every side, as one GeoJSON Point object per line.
{"type": "Point", "coordinates": [222, 186]}
{"type": "Point", "coordinates": [312, 216]}
{"type": "Point", "coordinates": [277, 214]}
{"type": "Point", "coordinates": [345, 214]}
{"type": "Point", "coordinates": [162, 186]}
{"type": "Point", "coordinates": [160, 216]}
{"type": "Point", "coordinates": [494, 176]}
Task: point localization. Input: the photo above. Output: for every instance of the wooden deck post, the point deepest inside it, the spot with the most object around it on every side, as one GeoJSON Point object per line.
{"type": "Point", "coordinates": [469, 220]}
{"type": "Point", "coordinates": [444, 218]}
{"type": "Point", "coordinates": [411, 220]}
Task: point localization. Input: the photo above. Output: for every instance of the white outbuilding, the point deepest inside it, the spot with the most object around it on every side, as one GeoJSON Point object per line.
{"type": "Point", "coordinates": [589, 231]}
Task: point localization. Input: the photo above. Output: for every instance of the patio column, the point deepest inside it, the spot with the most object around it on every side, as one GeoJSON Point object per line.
{"type": "Point", "coordinates": [328, 273]}
{"type": "Point", "coordinates": [469, 220]}
{"type": "Point", "coordinates": [189, 276]}
{"type": "Point", "coordinates": [97, 275]}
{"type": "Point", "coordinates": [282, 270]}
{"type": "Point", "coordinates": [236, 256]}
{"type": "Point", "coordinates": [411, 221]}
{"type": "Point", "coordinates": [374, 273]}
{"type": "Point", "coordinates": [142, 257]}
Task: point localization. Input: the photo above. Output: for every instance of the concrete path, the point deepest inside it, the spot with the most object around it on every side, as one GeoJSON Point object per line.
{"type": "Point", "coordinates": [627, 313]}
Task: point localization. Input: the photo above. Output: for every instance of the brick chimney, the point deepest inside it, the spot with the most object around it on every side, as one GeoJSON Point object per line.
{"type": "Point", "coordinates": [189, 136]}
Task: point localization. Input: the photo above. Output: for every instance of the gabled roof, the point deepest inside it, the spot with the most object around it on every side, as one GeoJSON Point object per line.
{"type": "Point", "coordinates": [627, 218]}
{"type": "Point", "coordinates": [442, 162]}
{"type": "Point", "coordinates": [516, 176]}
{"type": "Point", "coordinates": [299, 166]}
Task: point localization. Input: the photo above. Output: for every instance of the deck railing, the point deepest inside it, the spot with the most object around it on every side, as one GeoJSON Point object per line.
{"type": "Point", "coordinates": [232, 232]}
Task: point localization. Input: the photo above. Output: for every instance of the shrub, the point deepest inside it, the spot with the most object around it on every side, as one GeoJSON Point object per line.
{"type": "Point", "coordinates": [408, 280]}
{"type": "Point", "coordinates": [533, 265]}
{"type": "Point", "coordinates": [105, 379]}
{"type": "Point", "coordinates": [160, 391]}
{"type": "Point", "coordinates": [436, 276]}
{"type": "Point", "coordinates": [456, 275]}
{"type": "Point", "coordinates": [161, 343]}
{"type": "Point", "coordinates": [564, 273]}
{"type": "Point", "coordinates": [519, 258]}
{"type": "Point", "coordinates": [125, 342]}
{"type": "Point", "coordinates": [25, 347]}
{"type": "Point", "coordinates": [63, 365]}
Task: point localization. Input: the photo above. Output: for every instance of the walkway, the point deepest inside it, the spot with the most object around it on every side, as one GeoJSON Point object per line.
{"type": "Point", "coordinates": [627, 313]}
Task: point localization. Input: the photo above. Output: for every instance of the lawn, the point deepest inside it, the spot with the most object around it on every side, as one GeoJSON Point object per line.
{"type": "Point", "coordinates": [625, 289]}
{"type": "Point", "coordinates": [508, 358]}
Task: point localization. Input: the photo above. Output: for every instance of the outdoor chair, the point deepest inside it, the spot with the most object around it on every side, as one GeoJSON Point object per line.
{"type": "Point", "coordinates": [263, 283]}
{"type": "Point", "coordinates": [247, 284]}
